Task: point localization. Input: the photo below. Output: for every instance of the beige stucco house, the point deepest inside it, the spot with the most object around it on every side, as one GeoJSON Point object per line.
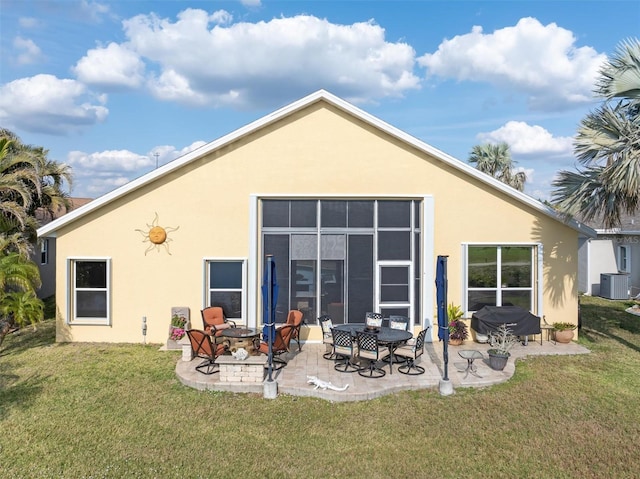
{"type": "Point", "coordinates": [354, 210]}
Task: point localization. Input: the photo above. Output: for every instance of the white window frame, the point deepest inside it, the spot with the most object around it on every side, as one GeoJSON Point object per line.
{"type": "Point", "coordinates": [624, 258]}
{"type": "Point", "coordinates": [72, 317]}
{"type": "Point", "coordinates": [536, 272]}
{"type": "Point", "coordinates": [44, 251]}
{"type": "Point", "coordinates": [207, 288]}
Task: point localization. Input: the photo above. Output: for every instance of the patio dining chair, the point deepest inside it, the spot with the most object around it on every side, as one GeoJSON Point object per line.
{"type": "Point", "coordinates": [345, 351]}
{"type": "Point", "coordinates": [371, 350]}
{"type": "Point", "coordinates": [373, 320]}
{"type": "Point", "coordinates": [202, 347]}
{"type": "Point", "coordinates": [326, 323]}
{"type": "Point", "coordinates": [398, 322]}
{"type": "Point", "coordinates": [294, 318]}
{"type": "Point", "coordinates": [214, 321]}
{"type": "Point", "coordinates": [280, 345]}
{"type": "Point", "coordinates": [411, 352]}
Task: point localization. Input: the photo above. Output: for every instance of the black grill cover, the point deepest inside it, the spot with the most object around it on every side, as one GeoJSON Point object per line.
{"type": "Point", "coordinates": [520, 321]}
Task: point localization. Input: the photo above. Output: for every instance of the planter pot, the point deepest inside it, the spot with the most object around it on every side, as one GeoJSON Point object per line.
{"type": "Point", "coordinates": [564, 337]}
{"type": "Point", "coordinates": [497, 362]}
{"type": "Point", "coordinates": [455, 342]}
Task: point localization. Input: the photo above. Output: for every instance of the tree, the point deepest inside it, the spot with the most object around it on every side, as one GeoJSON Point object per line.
{"type": "Point", "coordinates": [495, 160]}
{"type": "Point", "coordinates": [24, 308]}
{"type": "Point", "coordinates": [31, 187]}
{"type": "Point", "coordinates": [19, 278]}
{"type": "Point", "coordinates": [607, 145]}
{"type": "Point", "coordinates": [35, 184]}
{"type": "Point", "coordinates": [17, 274]}
{"type": "Point", "coordinates": [15, 192]}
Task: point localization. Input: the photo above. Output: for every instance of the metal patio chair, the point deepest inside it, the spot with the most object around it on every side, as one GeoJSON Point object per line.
{"type": "Point", "coordinates": [370, 349]}
{"type": "Point", "coordinates": [412, 351]}
{"type": "Point", "coordinates": [202, 347]}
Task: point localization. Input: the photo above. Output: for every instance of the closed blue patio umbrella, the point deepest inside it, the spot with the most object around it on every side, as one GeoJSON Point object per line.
{"type": "Point", "coordinates": [443, 319]}
{"type": "Point", "coordinates": [269, 300]}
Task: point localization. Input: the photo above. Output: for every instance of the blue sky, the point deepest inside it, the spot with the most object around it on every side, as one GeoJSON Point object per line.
{"type": "Point", "coordinates": [112, 88]}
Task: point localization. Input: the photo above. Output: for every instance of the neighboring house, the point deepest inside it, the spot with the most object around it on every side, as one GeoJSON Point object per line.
{"type": "Point", "coordinates": [614, 253]}
{"type": "Point", "coordinates": [45, 251]}
{"type": "Point", "coordinates": [354, 211]}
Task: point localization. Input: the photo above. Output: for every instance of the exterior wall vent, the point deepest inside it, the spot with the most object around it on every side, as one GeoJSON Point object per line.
{"type": "Point", "coordinates": [614, 285]}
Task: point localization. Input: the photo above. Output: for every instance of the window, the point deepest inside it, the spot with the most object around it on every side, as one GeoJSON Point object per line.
{"type": "Point", "coordinates": [90, 291]}
{"type": "Point", "coordinates": [624, 259]}
{"type": "Point", "coordinates": [44, 252]}
{"type": "Point", "coordinates": [327, 250]}
{"type": "Point", "coordinates": [226, 281]}
{"type": "Point", "coordinates": [500, 276]}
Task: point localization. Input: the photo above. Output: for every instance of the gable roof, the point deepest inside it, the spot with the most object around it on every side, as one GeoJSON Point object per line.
{"type": "Point", "coordinates": [320, 95]}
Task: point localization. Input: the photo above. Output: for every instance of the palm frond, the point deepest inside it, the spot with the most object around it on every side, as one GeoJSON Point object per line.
{"type": "Point", "coordinates": [588, 195]}
{"type": "Point", "coordinates": [620, 76]}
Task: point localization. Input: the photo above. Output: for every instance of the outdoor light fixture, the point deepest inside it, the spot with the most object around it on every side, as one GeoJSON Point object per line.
{"type": "Point", "coordinates": [144, 330]}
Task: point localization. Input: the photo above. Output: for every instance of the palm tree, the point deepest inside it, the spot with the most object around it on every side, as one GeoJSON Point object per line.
{"type": "Point", "coordinates": [495, 160]}
{"type": "Point", "coordinates": [30, 185]}
{"type": "Point", "coordinates": [19, 304]}
{"type": "Point", "coordinates": [23, 307]}
{"type": "Point", "coordinates": [14, 242]}
{"type": "Point", "coordinates": [19, 308]}
{"type": "Point", "coordinates": [17, 274]}
{"type": "Point", "coordinates": [45, 183]}
{"type": "Point", "coordinates": [608, 146]}
{"type": "Point", "coordinates": [16, 181]}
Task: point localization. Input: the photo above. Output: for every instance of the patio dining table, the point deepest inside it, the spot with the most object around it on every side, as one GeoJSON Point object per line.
{"type": "Point", "coordinates": [388, 336]}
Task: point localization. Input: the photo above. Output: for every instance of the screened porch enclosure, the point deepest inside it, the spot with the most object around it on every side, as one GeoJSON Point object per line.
{"type": "Point", "coordinates": [344, 257]}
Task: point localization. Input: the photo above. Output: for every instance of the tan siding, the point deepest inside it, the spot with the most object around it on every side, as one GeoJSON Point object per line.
{"type": "Point", "coordinates": [320, 151]}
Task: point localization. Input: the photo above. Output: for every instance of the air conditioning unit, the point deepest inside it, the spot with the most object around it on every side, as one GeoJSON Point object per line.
{"type": "Point", "coordinates": [614, 285]}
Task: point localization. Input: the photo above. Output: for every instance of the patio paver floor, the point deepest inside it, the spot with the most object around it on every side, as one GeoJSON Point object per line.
{"type": "Point", "coordinates": [292, 379]}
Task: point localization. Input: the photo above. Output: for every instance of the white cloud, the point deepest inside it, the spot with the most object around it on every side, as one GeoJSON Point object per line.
{"type": "Point", "coordinates": [533, 145]}
{"type": "Point", "coordinates": [93, 10]}
{"type": "Point", "coordinates": [221, 17]}
{"type": "Point", "coordinates": [542, 61]}
{"type": "Point", "coordinates": [202, 61]}
{"type": "Point", "coordinates": [527, 139]}
{"type": "Point", "coordinates": [167, 153]}
{"type": "Point", "coordinates": [171, 85]}
{"type": "Point", "coordinates": [28, 51]}
{"type": "Point", "coordinates": [110, 161]}
{"type": "Point", "coordinates": [112, 67]}
{"type": "Point", "coordinates": [102, 171]}
{"type": "Point", "coordinates": [46, 104]}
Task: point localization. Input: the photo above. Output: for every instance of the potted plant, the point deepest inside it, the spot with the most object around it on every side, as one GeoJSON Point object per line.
{"type": "Point", "coordinates": [458, 330]}
{"type": "Point", "coordinates": [501, 342]}
{"type": "Point", "coordinates": [563, 332]}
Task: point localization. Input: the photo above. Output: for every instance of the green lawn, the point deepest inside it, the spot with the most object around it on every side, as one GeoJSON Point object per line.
{"type": "Point", "coordinates": [111, 411]}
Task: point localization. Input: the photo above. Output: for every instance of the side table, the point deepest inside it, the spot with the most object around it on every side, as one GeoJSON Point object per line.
{"type": "Point", "coordinates": [470, 355]}
{"type": "Point", "coordinates": [549, 329]}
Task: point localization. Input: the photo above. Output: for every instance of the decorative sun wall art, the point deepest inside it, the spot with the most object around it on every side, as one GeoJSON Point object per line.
{"type": "Point", "coordinates": [157, 236]}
